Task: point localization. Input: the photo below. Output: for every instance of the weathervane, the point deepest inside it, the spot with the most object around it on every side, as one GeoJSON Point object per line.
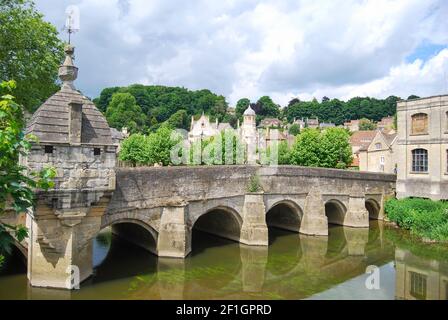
{"type": "Point", "coordinates": [72, 21]}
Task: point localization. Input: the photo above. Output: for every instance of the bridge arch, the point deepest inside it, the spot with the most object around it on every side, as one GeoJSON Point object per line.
{"type": "Point", "coordinates": [222, 221]}
{"type": "Point", "coordinates": [335, 211]}
{"type": "Point", "coordinates": [373, 207]}
{"type": "Point", "coordinates": [135, 231]}
{"type": "Point", "coordinates": [284, 214]}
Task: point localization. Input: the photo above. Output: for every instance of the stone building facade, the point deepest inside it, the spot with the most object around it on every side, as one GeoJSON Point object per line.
{"type": "Point", "coordinates": [379, 155]}
{"type": "Point", "coordinates": [422, 148]}
{"type": "Point", "coordinates": [203, 128]}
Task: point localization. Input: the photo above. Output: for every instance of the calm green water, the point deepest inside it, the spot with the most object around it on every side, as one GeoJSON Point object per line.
{"type": "Point", "coordinates": [292, 267]}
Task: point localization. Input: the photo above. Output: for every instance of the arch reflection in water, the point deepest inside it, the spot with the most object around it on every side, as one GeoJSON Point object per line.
{"type": "Point", "coordinates": [294, 266]}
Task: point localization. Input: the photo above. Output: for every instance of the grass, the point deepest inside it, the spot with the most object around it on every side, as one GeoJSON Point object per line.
{"type": "Point", "coordinates": [425, 218]}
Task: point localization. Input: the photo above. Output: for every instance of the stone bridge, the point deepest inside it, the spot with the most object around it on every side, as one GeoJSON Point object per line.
{"type": "Point", "coordinates": [158, 207]}
{"type": "Point", "coordinates": [169, 202]}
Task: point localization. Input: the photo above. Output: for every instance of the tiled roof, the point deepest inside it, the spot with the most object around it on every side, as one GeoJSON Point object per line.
{"type": "Point", "coordinates": [362, 139]}
{"type": "Point", "coordinates": [50, 123]}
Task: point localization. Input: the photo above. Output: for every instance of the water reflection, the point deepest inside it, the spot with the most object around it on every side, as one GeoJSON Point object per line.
{"type": "Point", "coordinates": [294, 266]}
{"type": "Point", "coordinates": [420, 279]}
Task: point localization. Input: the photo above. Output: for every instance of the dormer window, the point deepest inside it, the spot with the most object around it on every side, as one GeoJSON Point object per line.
{"type": "Point", "coordinates": [419, 123]}
{"type": "Point", "coordinates": [96, 151]}
{"type": "Point", "coordinates": [48, 149]}
{"type": "Point", "coordinates": [378, 146]}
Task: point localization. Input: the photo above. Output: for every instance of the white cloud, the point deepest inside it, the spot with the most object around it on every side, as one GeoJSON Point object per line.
{"type": "Point", "coordinates": [254, 48]}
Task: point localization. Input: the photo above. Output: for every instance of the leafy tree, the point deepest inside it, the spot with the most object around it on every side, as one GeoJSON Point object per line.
{"type": "Point", "coordinates": [16, 182]}
{"type": "Point", "coordinates": [265, 107]}
{"type": "Point", "coordinates": [336, 151]}
{"type": "Point", "coordinates": [413, 97]}
{"type": "Point", "coordinates": [306, 150]}
{"type": "Point", "coordinates": [366, 124]}
{"type": "Point", "coordinates": [159, 103]}
{"type": "Point", "coordinates": [241, 106]}
{"type": "Point", "coordinates": [159, 146]}
{"type": "Point", "coordinates": [151, 149]}
{"type": "Point", "coordinates": [30, 52]}
{"type": "Point", "coordinates": [179, 120]}
{"type": "Point", "coordinates": [284, 153]}
{"type": "Point", "coordinates": [329, 148]}
{"type": "Point", "coordinates": [133, 149]}
{"type": "Point", "coordinates": [224, 148]}
{"type": "Point", "coordinates": [105, 97]}
{"type": "Point", "coordinates": [294, 129]}
{"type": "Point", "coordinates": [123, 111]}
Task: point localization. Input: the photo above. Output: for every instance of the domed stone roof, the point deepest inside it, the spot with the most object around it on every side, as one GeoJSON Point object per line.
{"type": "Point", "coordinates": [249, 111]}
{"type": "Point", "coordinates": [51, 122]}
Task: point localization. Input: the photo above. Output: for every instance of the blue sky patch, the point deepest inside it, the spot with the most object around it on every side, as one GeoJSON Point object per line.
{"type": "Point", "coordinates": [425, 51]}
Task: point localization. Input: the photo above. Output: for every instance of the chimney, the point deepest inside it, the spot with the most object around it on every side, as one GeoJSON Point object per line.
{"type": "Point", "coordinates": [75, 122]}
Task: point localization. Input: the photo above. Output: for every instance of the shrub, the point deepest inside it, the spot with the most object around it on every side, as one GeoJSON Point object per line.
{"type": "Point", "coordinates": [254, 184]}
{"type": "Point", "coordinates": [424, 218]}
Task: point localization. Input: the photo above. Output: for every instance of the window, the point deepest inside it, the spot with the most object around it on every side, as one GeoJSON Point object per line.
{"type": "Point", "coordinates": [378, 146]}
{"type": "Point", "coordinates": [419, 160]}
{"type": "Point", "coordinates": [446, 121]}
{"type": "Point", "coordinates": [419, 123]}
{"type": "Point", "coordinates": [48, 149]}
{"type": "Point", "coordinates": [418, 285]}
{"type": "Point", "coordinates": [382, 160]}
{"type": "Point", "coordinates": [96, 151]}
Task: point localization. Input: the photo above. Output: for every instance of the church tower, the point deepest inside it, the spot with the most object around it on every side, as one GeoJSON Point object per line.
{"type": "Point", "coordinates": [249, 135]}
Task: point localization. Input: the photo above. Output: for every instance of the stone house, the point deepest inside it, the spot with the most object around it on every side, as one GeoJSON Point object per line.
{"type": "Point", "coordinates": [203, 129]}
{"type": "Point", "coordinates": [358, 140]}
{"type": "Point", "coordinates": [385, 124]}
{"type": "Point", "coordinates": [422, 148]}
{"type": "Point", "coordinates": [352, 125]}
{"type": "Point", "coordinates": [379, 155]}
{"type": "Point", "coordinates": [270, 122]}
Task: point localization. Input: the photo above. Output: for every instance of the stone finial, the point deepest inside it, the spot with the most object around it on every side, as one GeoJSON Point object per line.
{"type": "Point", "coordinates": [67, 71]}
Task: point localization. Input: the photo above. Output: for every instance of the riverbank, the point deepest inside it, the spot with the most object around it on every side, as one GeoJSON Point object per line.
{"type": "Point", "coordinates": [426, 219]}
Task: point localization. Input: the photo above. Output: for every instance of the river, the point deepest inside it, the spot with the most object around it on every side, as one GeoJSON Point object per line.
{"type": "Point", "coordinates": [294, 266]}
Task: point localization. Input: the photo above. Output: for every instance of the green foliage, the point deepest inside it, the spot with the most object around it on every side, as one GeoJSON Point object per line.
{"type": "Point", "coordinates": [294, 129]}
{"type": "Point", "coordinates": [123, 111]}
{"type": "Point", "coordinates": [284, 153]}
{"type": "Point", "coordinates": [254, 184]}
{"type": "Point", "coordinates": [224, 148]}
{"type": "Point", "coordinates": [30, 52]}
{"type": "Point", "coordinates": [425, 218]}
{"type": "Point", "coordinates": [160, 104]}
{"type": "Point", "coordinates": [179, 120]}
{"type": "Point", "coordinates": [241, 106]}
{"type": "Point", "coordinates": [16, 183]}
{"type": "Point", "coordinates": [329, 148]}
{"type": "Point", "coordinates": [366, 124]}
{"type": "Point", "coordinates": [151, 149]}
{"type": "Point", "coordinates": [337, 111]}
{"type": "Point", "coordinates": [133, 149]}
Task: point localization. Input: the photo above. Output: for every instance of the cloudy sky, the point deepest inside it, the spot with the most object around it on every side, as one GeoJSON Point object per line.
{"type": "Point", "coordinates": [249, 48]}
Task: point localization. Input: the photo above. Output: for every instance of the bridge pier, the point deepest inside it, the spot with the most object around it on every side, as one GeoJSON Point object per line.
{"type": "Point", "coordinates": [253, 261]}
{"type": "Point", "coordinates": [314, 221]}
{"type": "Point", "coordinates": [357, 215]}
{"type": "Point", "coordinates": [357, 239]}
{"type": "Point", "coordinates": [174, 239]}
{"type": "Point", "coordinates": [60, 246]}
{"type": "Point", "coordinates": [254, 230]}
